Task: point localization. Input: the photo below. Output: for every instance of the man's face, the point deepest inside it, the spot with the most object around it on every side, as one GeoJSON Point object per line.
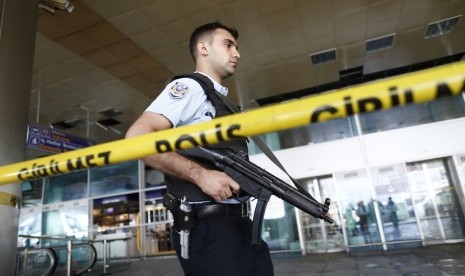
{"type": "Point", "coordinates": [223, 53]}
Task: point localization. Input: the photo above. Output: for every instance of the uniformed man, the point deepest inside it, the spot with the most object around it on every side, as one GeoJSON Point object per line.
{"type": "Point", "coordinates": [220, 241]}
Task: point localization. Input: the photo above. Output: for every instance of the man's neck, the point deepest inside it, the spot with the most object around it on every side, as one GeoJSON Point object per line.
{"type": "Point", "coordinates": [209, 73]}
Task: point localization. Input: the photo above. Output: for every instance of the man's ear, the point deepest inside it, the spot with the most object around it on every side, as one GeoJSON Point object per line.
{"type": "Point", "coordinates": [202, 48]}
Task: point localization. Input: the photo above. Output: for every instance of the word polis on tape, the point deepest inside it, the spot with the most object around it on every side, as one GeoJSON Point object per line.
{"type": "Point", "coordinates": [350, 107]}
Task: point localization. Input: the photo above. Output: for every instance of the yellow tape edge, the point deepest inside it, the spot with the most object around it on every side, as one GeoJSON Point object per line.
{"type": "Point", "coordinates": [413, 88]}
{"type": "Point", "coordinates": [8, 199]}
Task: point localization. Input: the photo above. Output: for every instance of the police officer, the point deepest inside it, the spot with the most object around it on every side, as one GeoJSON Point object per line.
{"type": "Point", "coordinates": [220, 241]}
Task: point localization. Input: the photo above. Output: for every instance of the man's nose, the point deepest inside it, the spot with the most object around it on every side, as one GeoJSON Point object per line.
{"type": "Point", "coordinates": [237, 54]}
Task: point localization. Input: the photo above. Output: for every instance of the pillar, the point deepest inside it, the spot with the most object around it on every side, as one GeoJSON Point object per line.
{"type": "Point", "coordinates": [18, 22]}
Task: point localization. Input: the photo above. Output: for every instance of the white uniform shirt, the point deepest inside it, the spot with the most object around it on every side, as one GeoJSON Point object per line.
{"type": "Point", "coordinates": [183, 102]}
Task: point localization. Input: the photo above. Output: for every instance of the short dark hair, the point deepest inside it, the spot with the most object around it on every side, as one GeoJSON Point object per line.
{"type": "Point", "coordinates": [207, 30]}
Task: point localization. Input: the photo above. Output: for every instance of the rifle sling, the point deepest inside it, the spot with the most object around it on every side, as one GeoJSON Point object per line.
{"type": "Point", "coordinates": [260, 144]}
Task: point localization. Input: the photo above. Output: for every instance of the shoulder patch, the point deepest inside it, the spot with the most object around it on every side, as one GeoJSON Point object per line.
{"type": "Point", "coordinates": [178, 90]}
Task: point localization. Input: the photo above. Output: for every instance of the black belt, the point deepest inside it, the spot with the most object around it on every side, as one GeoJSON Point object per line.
{"type": "Point", "coordinates": [221, 210]}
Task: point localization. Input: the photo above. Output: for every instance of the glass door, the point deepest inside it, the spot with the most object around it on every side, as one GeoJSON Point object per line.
{"type": "Point", "coordinates": [435, 201]}
{"type": "Point", "coordinates": [318, 235]}
{"type": "Point", "coordinates": [395, 207]}
{"type": "Point", "coordinates": [358, 206]}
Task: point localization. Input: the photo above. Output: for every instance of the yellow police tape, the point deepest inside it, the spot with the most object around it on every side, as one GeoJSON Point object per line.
{"type": "Point", "coordinates": [8, 199]}
{"type": "Point", "coordinates": [418, 87]}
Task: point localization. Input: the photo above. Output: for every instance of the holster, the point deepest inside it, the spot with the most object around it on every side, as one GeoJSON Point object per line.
{"type": "Point", "coordinates": [182, 220]}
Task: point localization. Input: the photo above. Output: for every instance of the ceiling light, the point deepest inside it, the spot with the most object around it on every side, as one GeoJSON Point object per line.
{"type": "Point", "coordinates": [109, 122]}
{"type": "Point", "coordinates": [52, 5]}
{"type": "Point", "coordinates": [323, 57]}
{"type": "Point", "coordinates": [380, 43]}
{"type": "Point", "coordinates": [442, 27]}
{"type": "Point", "coordinates": [110, 112]}
{"type": "Point", "coordinates": [101, 126]}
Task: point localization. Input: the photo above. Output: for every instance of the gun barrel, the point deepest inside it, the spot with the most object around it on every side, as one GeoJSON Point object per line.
{"type": "Point", "coordinates": [281, 189]}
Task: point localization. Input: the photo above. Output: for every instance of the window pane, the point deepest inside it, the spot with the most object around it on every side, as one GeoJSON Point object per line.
{"type": "Point", "coordinates": [395, 205]}
{"type": "Point", "coordinates": [32, 193]}
{"type": "Point", "coordinates": [415, 114]}
{"type": "Point", "coordinates": [112, 179]}
{"type": "Point", "coordinates": [314, 133]}
{"type": "Point", "coordinates": [114, 214]}
{"type": "Point", "coordinates": [65, 187]}
{"type": "Point", "coordinates": [280, 226]}
{"type": "Point", "coordinates": [71, 221]}
{"type": "Point", "coordinates": [30, 224]}
{"type": "Point", "coordinates": [359, 217]}
{"type": "Point", "coordinates": [153, 178]}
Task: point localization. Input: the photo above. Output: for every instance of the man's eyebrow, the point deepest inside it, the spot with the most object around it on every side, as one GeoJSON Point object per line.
{"type": "Point", "coordinates": [230, 41]}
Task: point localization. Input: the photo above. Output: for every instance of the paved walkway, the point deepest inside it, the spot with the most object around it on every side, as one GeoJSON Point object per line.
{"type": "Point", "coordinates": [441, 260]}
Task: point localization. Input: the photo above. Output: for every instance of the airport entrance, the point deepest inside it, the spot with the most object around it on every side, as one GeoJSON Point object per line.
{"type": "Point", "coordinates": [318, 235]}
{"type": "Point", "coordinates": [435, 201]}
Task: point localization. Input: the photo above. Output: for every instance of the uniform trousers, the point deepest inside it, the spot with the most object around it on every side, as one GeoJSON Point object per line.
{"type": "Point", "coordinates": [222, 246]}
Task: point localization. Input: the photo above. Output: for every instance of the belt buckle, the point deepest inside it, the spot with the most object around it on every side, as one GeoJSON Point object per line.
{"type": "Point", "coordinates": [245, 209]}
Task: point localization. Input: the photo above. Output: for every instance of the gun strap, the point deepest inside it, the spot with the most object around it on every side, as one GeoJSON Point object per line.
{"type": "Point", "coordinates": [205, 82]}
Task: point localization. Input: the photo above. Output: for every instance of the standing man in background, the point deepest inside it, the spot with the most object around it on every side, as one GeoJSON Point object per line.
{"type": "Point", "coordinates": [220, 241]}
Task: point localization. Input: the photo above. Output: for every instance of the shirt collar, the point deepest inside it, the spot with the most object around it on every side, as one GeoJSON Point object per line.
{"type": "Point", "coordinates": [218, 87]}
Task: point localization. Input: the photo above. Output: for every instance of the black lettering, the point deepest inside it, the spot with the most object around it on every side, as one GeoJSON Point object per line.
{"type": "Point", "coordinates": [40, 171]}
{"type": "Point", "coordinates": [219, 136]}
{"type": "Point", "coordinates": [395, 101]}
{"type": "Point", "coordinates": [89, 159]}
{"type": "Point", "coordinates": [230, 131]}
{"type": "Point", "coordinates": [443, 90]}
{"type": "Point", "coordinates": [163, 146]}
{"type": "Point", "coordinates": [78, 166]}
{"type": "Point", "coordinates": [348, 106]}
{"type": "Point", "coordinates": [55, 167]}
{"type": "Point", "coordinates": [408, 96]}
{"type": "Point", "coordinates": [185, 138]}
{"type": "Point", "coordinates": [203, 139]}
{"type": "Point", "coordinates": [314, 118]}
{"type": "Point", "coordinates": [106, 157]}
{"type": "Point", "coordinates": [23, 174]}
{"type": "Point", "coordinates": [369, 104]}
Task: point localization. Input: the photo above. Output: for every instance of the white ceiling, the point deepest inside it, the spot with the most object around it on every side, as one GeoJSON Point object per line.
{"type": "Point", "coordinates": [84, 70]}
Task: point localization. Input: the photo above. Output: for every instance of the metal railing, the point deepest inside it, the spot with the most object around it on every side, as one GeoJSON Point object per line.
{"type": "Point", "coordinates": [33, 259]}
{"type": "Point", "coordinates": [37, 262]}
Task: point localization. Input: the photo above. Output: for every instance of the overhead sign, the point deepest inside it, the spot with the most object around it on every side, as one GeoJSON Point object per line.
{"type": "Point", "coordinates": [420, 87]}
{"type": "Point", "coordinates": [53, 140]}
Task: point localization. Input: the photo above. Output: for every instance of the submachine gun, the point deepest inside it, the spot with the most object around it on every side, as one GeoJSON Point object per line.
{"type": "Point", "coordinates": [260, 184]}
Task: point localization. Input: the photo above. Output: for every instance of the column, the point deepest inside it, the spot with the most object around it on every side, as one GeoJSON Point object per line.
{"type": "Point", "coordinates": [18, 22]}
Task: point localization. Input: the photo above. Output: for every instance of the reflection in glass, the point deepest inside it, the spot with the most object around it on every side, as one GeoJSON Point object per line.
{"type": "Point", "coordinates": [30, 224]}
{"type": "Point", "coordinates": [31, 192]}
{"type": "Point", "coordinates": [159, 220]}
{"type": "Point", "coordinates": [113, 212]}
{"type": "Point", "coordinates": [69, 222]}
{"type": "Point", "coordinates": [395, 205]}
{"type": "Point", "coordinates": [279, 228]}
{"type": "Point", "coordinates": [65, 187]}
{"type": "Point", "coordinates": [113, 179]}
{"type": "Point", "coordinates": [318, 235]}
{"type": "Point", "coordinates": [153, 178]}
{"type": "Point", "coordinates": [315, 133]}
{"type": "Point", "coordinates": [359, 217]}
{"type": "Point", "coordinates": [436, 204]}
{"type": "Point", "coordinates": [414, 114]}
